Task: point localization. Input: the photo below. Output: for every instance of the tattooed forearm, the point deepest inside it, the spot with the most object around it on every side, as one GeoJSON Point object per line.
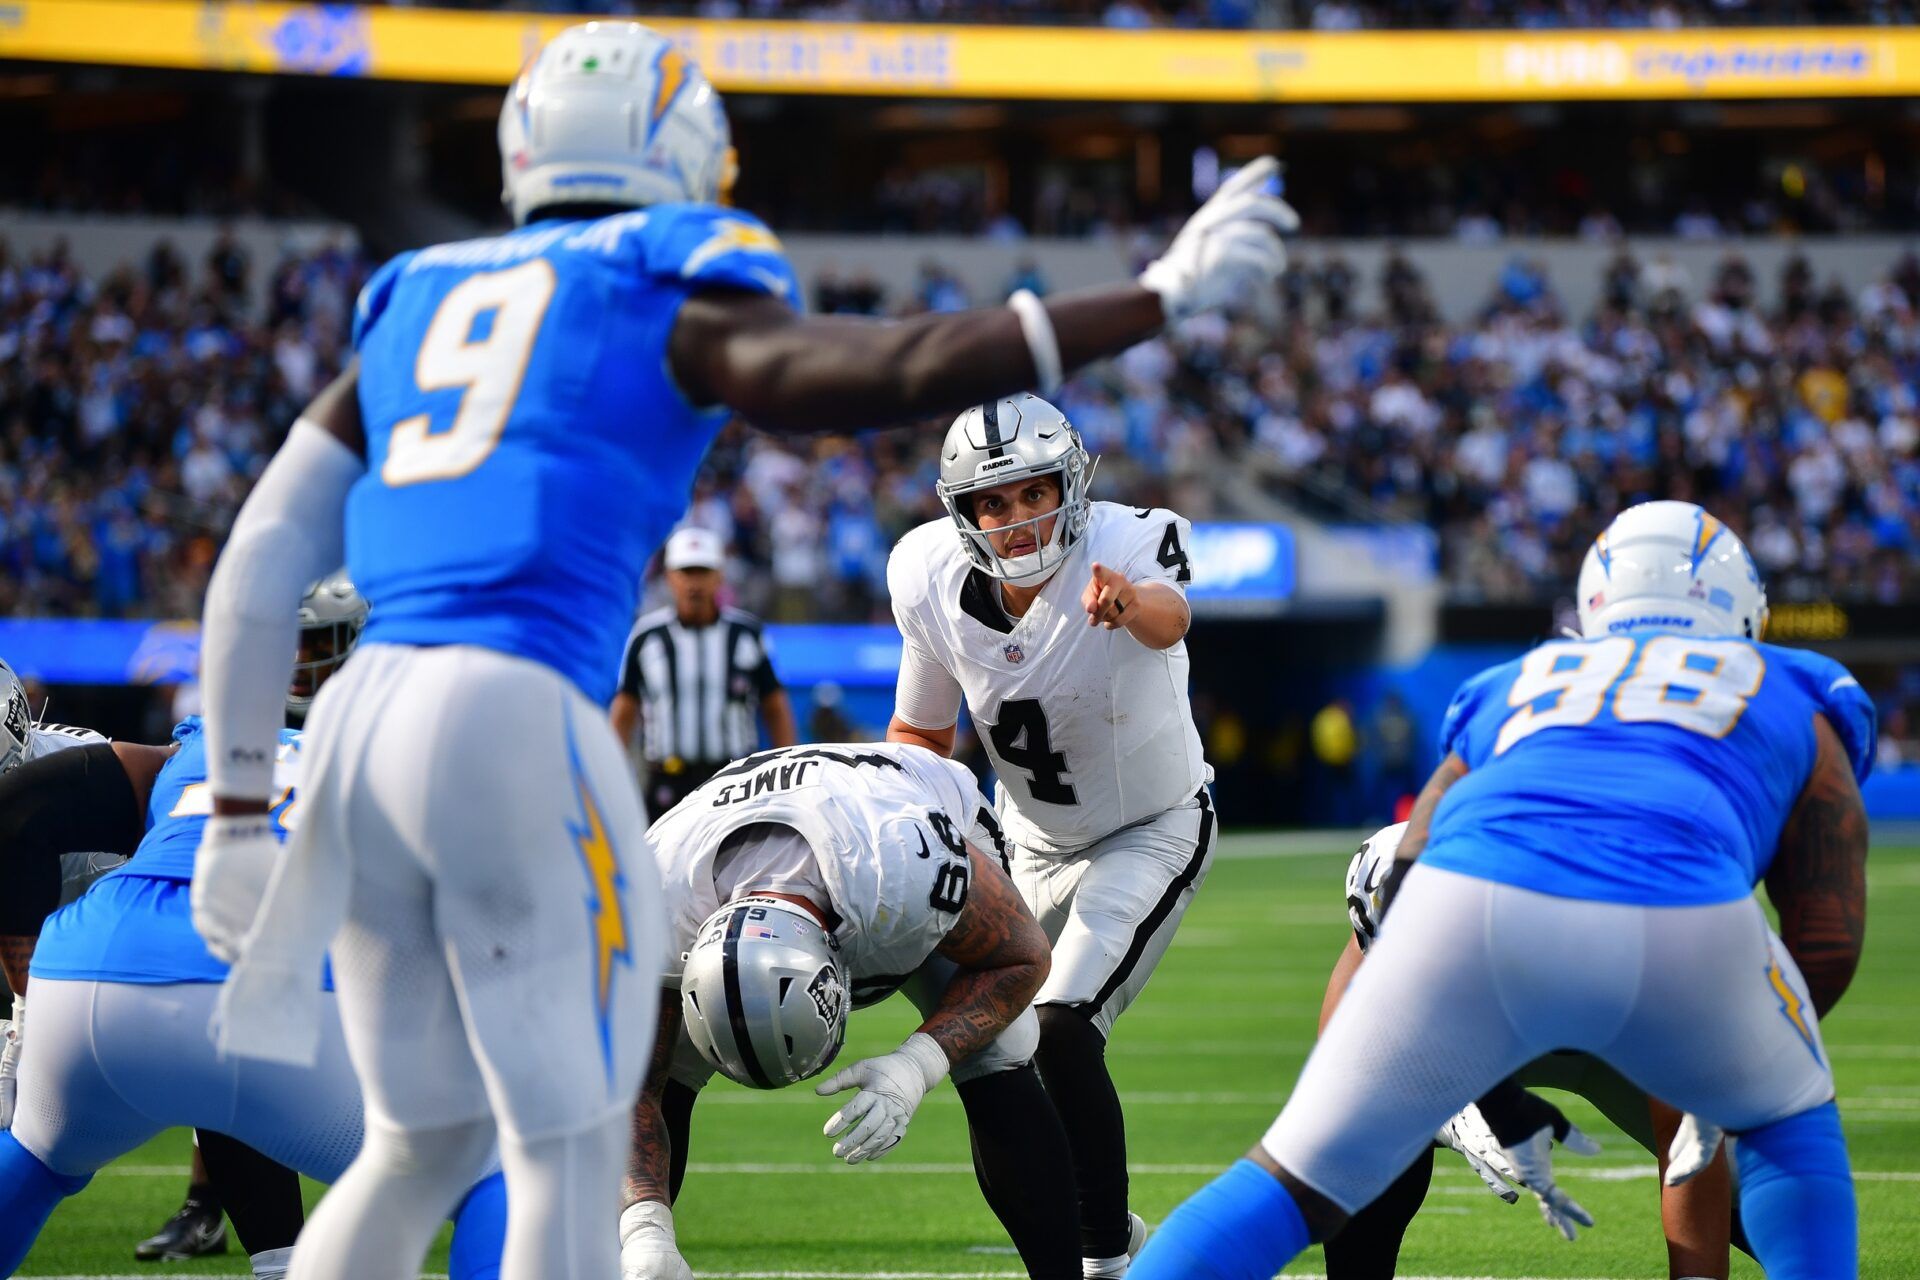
{"type": "Point", "coordinates": [1420, 821]}
{"type": "Point", "coordinates": [16, 953]}
{"type": "Point", "coordinates": [1818, 880]}
{"type": "Point", "coordinates": [650, 1155]}
{"type": "Point", "coordinates": [1003, 959]}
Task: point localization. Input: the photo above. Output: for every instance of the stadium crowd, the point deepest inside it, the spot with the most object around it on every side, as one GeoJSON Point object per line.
{"type": "Point", "coordinates": [134, 411]}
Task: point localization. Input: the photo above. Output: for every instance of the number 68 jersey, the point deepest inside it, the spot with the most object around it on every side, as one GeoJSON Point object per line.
{"type": "Point", "coordinates": [1088, 729]}
{"type": "Point", "coordinates": [1651, 768]}
{"type": "Point", "coordinates": [887, 824]}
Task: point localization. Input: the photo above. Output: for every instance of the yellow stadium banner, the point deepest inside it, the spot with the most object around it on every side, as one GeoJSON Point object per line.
{"type": "Point", "coordinates": [996, 62]}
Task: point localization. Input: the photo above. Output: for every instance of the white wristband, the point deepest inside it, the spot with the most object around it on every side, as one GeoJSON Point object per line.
{"type": "Point", "coordinates": [1042, 344]}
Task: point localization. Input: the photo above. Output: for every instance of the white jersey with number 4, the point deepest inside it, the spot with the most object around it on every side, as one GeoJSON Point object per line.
{"type": "Point", "coordinates": [887, 824]}
{"type": "Point", "coordinates": [1088, 729]}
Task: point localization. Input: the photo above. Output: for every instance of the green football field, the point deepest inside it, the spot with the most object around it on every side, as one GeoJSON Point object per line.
{"type": "Point", "coordinates": [1203, 1062]}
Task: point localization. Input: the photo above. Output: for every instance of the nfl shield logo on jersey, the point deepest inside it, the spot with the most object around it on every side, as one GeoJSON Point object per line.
{"type": "Point", "coordinates": [1015, 654]}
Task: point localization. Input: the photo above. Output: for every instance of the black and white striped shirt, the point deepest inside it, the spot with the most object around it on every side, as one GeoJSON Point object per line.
{"type": "Point", "coordinates": [699, 688]}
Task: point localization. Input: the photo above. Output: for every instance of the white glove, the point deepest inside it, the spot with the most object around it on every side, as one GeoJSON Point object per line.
{"type": "Point", "coordinates": [1229, 252]}
{"type": "Point", "coordinates": [230, 875]}
{"type": "Point", "coordinates": [10, 1037]}
{"type": "Point", "coordinates": [648, 1250]}
{"type": "Point", "coordinates": [1692, 1149]}
{"type": "Point", "coordinates": [1468, 1134]}
{"type": "Point", "coordinates": [891, 1087]}
{"type": "Point", "coordinates": [1532, 1162]}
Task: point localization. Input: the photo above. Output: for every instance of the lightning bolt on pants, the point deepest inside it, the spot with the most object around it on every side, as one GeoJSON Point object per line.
{"type": "Point", "coordinates": [501, 958]}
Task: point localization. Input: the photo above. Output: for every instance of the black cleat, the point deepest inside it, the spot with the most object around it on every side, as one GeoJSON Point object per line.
{"type": "Point", "coordinates": [196, 1230]}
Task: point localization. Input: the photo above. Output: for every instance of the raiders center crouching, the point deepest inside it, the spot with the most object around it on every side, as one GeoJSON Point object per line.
{"type": "Point", "coordinates": [801, 881]}
{"type": "Point", "coordinates": [1060, 622]}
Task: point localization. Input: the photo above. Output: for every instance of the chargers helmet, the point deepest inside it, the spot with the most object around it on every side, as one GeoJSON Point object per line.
{"type": "Point", "coordinates": [332, 613]}
{"type": "Point", "coordinates": [613, 113]}
{"type": "Point", "coordinates": [16, 719]}
{"type": "Point", "coordinates": [1011, 439]}
{"type": "Point", "coordinates": [763, 993]}
{"type": "Point", "coordinates": [1671, 566]}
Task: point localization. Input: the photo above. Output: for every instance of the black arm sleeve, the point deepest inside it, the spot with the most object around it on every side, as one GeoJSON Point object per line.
{"type": "Point", "coordinates": [74, 801]}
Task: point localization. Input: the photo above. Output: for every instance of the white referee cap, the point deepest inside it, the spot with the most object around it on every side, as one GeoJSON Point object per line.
{"type": "Point", "coordinates": [694, 548]}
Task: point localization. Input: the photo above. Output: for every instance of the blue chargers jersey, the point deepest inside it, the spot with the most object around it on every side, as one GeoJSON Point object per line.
{"type": "Point", "coordinates": [1646, 768]}
{"type": "Point", "coordinates": [527, 447]}
{"type": "Point", "coordinates": [136, 924]}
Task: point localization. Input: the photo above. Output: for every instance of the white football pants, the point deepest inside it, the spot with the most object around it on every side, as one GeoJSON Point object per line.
{"type": "Point", "coordinates": [1470, 980]}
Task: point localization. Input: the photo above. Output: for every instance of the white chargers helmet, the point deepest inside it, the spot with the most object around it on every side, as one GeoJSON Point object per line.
{"type": "Point", "coordinates": [763, 993]}
{"type": "Point", "coordinates": [1367, 878]}
{"type": "Point", "coordinates": [1671, 566]}
{"type": "Point", "coordinates": [1007, 440]}
{"type": "Point", "coordinates": [613, 113]}
{"type": "Point", "coordinates": [16, 720]}
{"type": "Point", "coordinates": [332, 614]}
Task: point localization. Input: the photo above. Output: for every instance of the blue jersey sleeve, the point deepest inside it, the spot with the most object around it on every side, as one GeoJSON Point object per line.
{"type": "Point", "coordinates": [723, 248]}
{"type": "Point", "coordinates": [1457, 736]}
{"type": "Point", "coordinates": [1845, 705]}
{"type": "Point", "coordinates": [374, 296]}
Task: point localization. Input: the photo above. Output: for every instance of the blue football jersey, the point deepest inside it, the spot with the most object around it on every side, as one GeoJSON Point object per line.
{"type": "Point", "coordinates": [1642, 768]}
{"type": "Point", "coordinates": [527, 447]}
{"type": "Point", "coordinates": [136, 924]}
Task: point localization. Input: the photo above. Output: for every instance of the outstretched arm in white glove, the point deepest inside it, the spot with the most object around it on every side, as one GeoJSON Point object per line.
{"type": "Point", "coordinates": [1229, 250]}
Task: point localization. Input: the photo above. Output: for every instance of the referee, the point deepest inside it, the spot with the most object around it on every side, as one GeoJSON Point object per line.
{"type": "Point", "coordinates": [694, 675]}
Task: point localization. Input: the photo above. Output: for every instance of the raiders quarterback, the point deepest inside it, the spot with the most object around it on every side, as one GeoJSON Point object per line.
{"type": "Point", "coordinates": [1061, 623]}
{"type": "Point", "coordinates": [801, 882]}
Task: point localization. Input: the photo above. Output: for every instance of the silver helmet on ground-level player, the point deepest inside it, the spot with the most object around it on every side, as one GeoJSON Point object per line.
{"type": "Point", "coordinates": [1671, 566]}
{"type": "Point", "coordinates": [1004, 441]}
{"type": "Point", "coordinates": [16, 719]}
{"type": "Point", "coordinates": [763, 993]}
{"type": "Point", "coordinates": [332, 613]}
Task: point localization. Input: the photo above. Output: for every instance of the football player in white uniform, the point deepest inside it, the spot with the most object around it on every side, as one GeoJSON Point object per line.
{"type": "Point", "coordinates": [806, 880]}
{"type": "Point", "coordinates": [1061, 623]}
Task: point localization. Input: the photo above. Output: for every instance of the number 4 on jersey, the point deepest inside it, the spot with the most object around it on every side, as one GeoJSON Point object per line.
{"type": "Point", "coordinates": [1020, 738]}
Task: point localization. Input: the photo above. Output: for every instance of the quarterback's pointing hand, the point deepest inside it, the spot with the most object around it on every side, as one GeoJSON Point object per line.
{"type": "Point", "coordinates": [891, 1087]}
{"type": "Point", "coordinates": [1110, 600]}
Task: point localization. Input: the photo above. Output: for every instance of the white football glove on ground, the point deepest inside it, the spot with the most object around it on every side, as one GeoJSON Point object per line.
{"type": "Point", "coordinates": [10, 1036]}
{"type": "Point", "coordinates": [891, 1087]}
{"type": "Point", "coordinates": [1229, 252]}
{"type": "Point", "coordinates": [230, 874]}
{"type": "Point", "coordinates": [648, 1250]}
{"type": "Point", "coordinates": [1468, 1134]}
{"type": "Point", "coordinates": [1692, 1149]}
